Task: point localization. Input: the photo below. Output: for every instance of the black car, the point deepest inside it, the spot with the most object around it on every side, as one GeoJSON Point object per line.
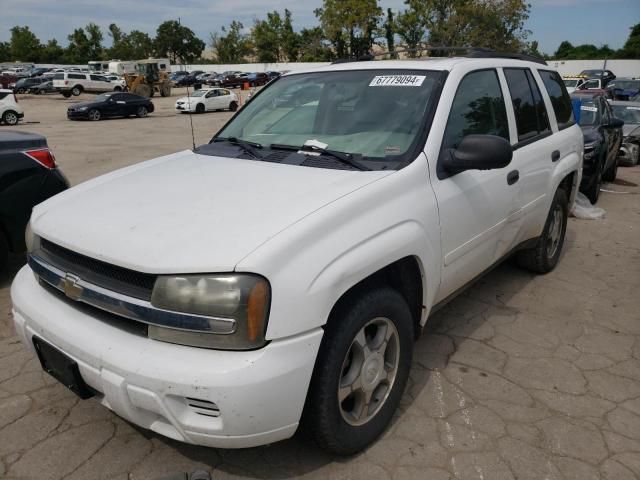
{"type": "Point", "coordinates": [188, 80]}
{"type": "Point", "coordinates": [44, 87]}
{"type": "Point", "coordinates": [37, 71]}
{"type": "Point", "coordinates": [602, 140]}
{"type": "Point", "coordinates": [28, 176]}
{"type": "Point", "coordinates": [605, 75]}
{"type": "Point", "coordinates": [24, 84]}
{"type": "Point", "coordinates": [111, 104]}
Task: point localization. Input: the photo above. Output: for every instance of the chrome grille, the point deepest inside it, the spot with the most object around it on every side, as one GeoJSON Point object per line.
{"type": "Point", "coordinates": [112, 277]}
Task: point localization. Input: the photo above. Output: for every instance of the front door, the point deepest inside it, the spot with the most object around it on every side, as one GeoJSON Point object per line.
{"type": "Point", "coordinates": [479, 210]}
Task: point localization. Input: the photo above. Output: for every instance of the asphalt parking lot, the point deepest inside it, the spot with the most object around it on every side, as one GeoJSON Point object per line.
{"type": "Point", "coordinates": [522, 377]}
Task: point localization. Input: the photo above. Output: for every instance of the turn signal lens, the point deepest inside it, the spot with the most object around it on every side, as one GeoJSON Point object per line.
{"type": "Point", "coordinates": [257, 305]}
{"type": "Point", "coordinates": [43, 156]}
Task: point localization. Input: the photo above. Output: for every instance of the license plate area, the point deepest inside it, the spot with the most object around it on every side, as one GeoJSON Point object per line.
{"type": "Point", "coordinates": [62, 368]}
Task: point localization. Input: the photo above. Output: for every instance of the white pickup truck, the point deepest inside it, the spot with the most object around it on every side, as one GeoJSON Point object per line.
{"type": "Point", "coordinates": [283, 271]}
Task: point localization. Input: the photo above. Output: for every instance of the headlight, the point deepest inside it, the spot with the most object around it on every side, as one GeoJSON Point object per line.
{"type": "Point", "coordinates": [29, 238]}
{"type": "Point", "coordinates": [240, 298]}
{"type": "Point", "coordinates": [590, 150]}
{"type": "Point", "coordinates": [82, 109]}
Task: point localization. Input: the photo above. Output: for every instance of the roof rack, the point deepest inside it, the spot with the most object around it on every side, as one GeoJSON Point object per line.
{"type": "Point", "coordinates": [472, 52]}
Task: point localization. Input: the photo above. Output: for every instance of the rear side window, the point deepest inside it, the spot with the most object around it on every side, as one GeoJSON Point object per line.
{"type": "Point", "coordinates": [77, 76]}
{"type": "Point", "coordinates": [560, 100]}
{"type": "Point", "coordinates": [58, 76]}
{"type": "Point", "coordinates": [478, 108]}
{"type": "Point", "coordinates": [531, 114]}
{"type": "Point", "coordinates": [3, 94]}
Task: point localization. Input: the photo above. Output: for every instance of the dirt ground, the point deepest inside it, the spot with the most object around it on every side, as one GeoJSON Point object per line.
{"type": "Point", "coordinates": [522, 377]}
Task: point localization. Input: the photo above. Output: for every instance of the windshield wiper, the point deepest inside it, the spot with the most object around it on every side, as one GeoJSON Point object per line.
{"type": "Point", "coordinates": [346, 158]}
{"type": "Point", "coordinates": [249, 147]}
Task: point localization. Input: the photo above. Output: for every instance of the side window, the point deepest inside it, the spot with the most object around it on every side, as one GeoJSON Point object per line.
{"type": "Point", "coordinates": [531, 114]}
{"type": "Point", "coordinates": [3, 94]}
{"type": "Point", "coordinates": [223, 92]}
{"type": "Point", "coordinates": [96, 78]}
{"type": "Point", "coordinates": [591, 84]}
{"type": "Point", "coordinates": [212, 93]}
{"type": "Point", "coordinates": [478, 108]}
{"type": "Point", "coordinates": [560, 100]}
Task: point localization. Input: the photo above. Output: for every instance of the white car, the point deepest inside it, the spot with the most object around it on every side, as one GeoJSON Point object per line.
{"type": "Point", "coordinates": [287, 266]}
{"type": "Point", "coordinates": [207, 100]}
{"type": "Point", "coordinates": [574, 84]}
{"type": "Point", "coordinates": [10, 110]}
{"type": "Point", "coordinates": [74, 83]}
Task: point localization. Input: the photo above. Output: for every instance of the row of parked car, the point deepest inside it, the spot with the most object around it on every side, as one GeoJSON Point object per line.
{"type": "Point", "coordinates": [228, 79]}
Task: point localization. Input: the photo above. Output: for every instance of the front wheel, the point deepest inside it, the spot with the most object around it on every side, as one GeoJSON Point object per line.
{"type": "Point", "coordinates": [94, 115]}
{"type": "Point", "coordinates": [545, 255]}
{"type": "Point", "coordinates": [361, 371]}
{"type": "Point", "coordinates": [233, 106]}
{"type": "Point", "coordinates": [199, 108]}
{"type": "Point", "coordinates": [10, 117]}
{"type": "Point", "coordinates": [593, 193]}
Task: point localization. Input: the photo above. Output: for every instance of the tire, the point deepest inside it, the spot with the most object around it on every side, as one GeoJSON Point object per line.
{"type": "Point", "coordinates": [199, 108]}
{"type": "Point", "coordinates": [77, 90]}
{"type": "Point", "coordinates": [20, 91]}
{"type": "Point", "coordinates": [10, 118]}
{"type": "Point", "coordinates": [593, 192]}
{"type": "Point", "coordinates": [66, 94]}
{"type": "Point", "coordinates": [141, 112]}
{"type": "Point", "coordinates": [165, 91]}
{"type": "Point", "coordinates": [4, 252]}
{"type": "Point", "coordinates": [93, 115]}
{"type": "Point", "coordinates": [612, 172]}
{"type": "Point", "coordinates": [233, 106]}
{"type": "Point", "coordinates": [347, 426]}
{"type": "Point", "coordinates": [152, 92]}
{"type": "Point", "coordinates": [143, 90]}
{"type": "Point", "coordinates": [117, 89]}
{"type": "Point", "coordinates": [545, 255]}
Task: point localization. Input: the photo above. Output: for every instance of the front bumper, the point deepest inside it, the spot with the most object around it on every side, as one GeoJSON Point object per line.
{"type": "Point", "coordinates": [259, 394]}
{"type": "Point", "coordinates": [77, 115]}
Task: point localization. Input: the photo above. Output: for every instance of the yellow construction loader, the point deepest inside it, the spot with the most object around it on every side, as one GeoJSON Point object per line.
{"type": "Point", "coordinates": [148, 79]}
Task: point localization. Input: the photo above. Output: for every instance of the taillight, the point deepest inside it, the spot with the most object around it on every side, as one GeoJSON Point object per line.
{"type": "Point", "coordinates": [66, 82]}
{"type": "Point", "coordinates": [43, 156]}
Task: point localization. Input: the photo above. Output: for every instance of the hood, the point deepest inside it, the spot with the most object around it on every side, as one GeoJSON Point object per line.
{"type": "Point", "coordinates": [185, 99]}
{"type": "Point", "coordinates": [188, 213]}
{"type": "Point", "coordinates": [629, 129]}
{"type": "Point", "coordinates": [75, 106]}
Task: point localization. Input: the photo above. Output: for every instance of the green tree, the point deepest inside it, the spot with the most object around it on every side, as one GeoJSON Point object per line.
{"type": "Point", "coordinates": [290, 40]}
{"type": "Point", "coordinates": [24, 45]}
{"type": "Point", "coordinates": [565, 49]}
{"type": "Point", "coordinates": [411, 30]}
{"type": "Point", "coordinates": [631, 48]}
{"type": "Point", "coordinates": [119, 47]}
{"type": "Point", "coordinates": [5, 52]}
{"type": "Point", "coordinates": [389, 33]}
{"type": "Point", "coordinates": [141, 45]}
{"type": "Point", "coordinates": [94, 38]}
{"type": "Point", "coordinates": [314, 47]}
{"type": "Point", "coordinates": [177, 42]}
{"type": "Point", "coordinates": [267, 38]}
{"type": "Point", "coordinates": [232, 45]}
{"type": "Point", "coordinates": [78, 50]}
{"type": "Point", "coordinates": [52, 52]}
{"type": "Point", "coordinates": [350, 25]}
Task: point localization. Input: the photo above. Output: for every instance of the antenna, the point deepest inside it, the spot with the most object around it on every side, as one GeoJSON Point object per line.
{"type": "Point", "coordinates": [193, 137]}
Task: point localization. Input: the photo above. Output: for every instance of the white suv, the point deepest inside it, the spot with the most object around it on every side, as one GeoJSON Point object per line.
{"type": "Point", "coordinates": [10, 110]}
{"type": "Point", "coordinates": [284, 270]}
{"type": "Point", "coordinates": [74, 83]}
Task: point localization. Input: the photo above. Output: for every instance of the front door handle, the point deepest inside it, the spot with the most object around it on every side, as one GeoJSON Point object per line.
{"type": "Point", "coordinates": [513, 176]}
{"type": "Point", "coordinates": [555, 155]}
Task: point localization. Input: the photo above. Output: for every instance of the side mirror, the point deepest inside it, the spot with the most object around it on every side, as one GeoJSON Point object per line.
{"type": "Point", "coordinates": [478, 152]}
{"type": "Point", "coordinates": [615, 123]}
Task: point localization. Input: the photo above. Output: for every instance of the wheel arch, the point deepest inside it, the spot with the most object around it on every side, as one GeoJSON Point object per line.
{"type": "Point", "coordinates": [404, 275]}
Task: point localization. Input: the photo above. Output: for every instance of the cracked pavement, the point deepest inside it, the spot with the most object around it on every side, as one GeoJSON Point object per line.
{"type": "Point", "coordinates": [521, 377]}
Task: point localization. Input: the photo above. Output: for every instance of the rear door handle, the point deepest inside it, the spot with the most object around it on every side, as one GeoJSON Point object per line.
{"type": "Point", "coordinates": [513, 176]}
{"type": "Point", "coordinates": [555, 155]}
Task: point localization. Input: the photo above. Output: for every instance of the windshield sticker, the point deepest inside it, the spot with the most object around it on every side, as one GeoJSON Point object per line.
{"type": "Point", "coordinates": [633, 108]}
{"type": "Point", "coordinates": [588, 109]}
{"type": "Point", "coordinates": [397, 81]}
{"type": "Point", "coordinates": [392, 150]}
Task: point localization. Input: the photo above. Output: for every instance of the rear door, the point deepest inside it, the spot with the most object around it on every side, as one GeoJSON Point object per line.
{"type": "Point", "coordinates": [478, 208]}
{"type": "Point", "coordinates": [534, 146]}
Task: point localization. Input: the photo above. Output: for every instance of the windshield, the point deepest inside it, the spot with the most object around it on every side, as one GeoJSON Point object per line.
{"type": "Point", "coordinates": [373, 113]}
{"type": "Point", "coordinates": [588, 113]}
{"type": "Point", "coordinates": [571, 83]}
{"type": "Point", "coordinates": [626, 84]}
{"type": "Point", "coordinates": [628, 113]}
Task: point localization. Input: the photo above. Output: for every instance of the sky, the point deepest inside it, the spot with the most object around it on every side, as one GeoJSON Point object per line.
{"type": "Point", "coordinates": [551, 21]}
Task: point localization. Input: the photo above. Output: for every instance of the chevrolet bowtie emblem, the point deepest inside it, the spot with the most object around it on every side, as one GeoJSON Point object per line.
{"type": "Point", "coordinates": [71, 287]}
